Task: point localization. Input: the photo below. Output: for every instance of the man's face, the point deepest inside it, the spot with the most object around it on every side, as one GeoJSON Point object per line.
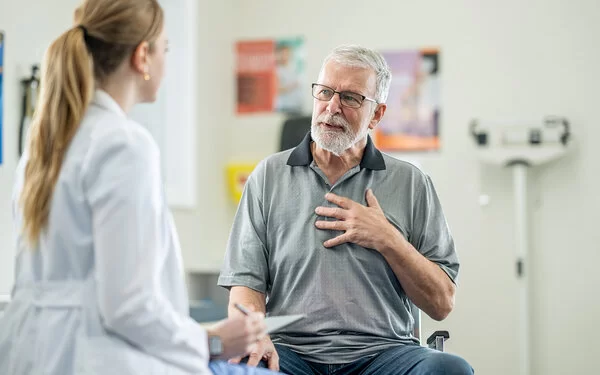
{"type": "Point", "coordinates": [336, 128]}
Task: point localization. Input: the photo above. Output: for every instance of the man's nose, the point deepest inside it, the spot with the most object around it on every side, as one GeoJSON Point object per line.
{"type": "Point", "coordinates": [334, 105]}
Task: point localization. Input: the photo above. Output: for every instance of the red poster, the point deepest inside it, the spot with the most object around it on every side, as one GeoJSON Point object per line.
{"type": "Point", "coordinates": [256, 76]}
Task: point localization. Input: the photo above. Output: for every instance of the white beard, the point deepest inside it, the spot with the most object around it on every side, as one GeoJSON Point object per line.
{"type": "Point", "coordinates": [333, 141]}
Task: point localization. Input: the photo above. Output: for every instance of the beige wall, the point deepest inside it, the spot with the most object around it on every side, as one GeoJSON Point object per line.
{"type": "Point", "coordinates": [499, 59]}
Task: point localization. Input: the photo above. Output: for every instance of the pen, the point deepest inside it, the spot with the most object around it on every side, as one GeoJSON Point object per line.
{"type": "Point", "coordinates": [244, 310]}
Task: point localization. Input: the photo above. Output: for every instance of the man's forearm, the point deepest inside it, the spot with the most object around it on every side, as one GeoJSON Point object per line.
{"type": "Point", "coordinates": [424, 282]}
{"type": "Point", "coordinates": [247, 297]}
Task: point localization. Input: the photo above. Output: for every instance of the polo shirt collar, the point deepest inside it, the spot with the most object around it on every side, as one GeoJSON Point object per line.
{"type": "Point", "coordinates": [302, 156]}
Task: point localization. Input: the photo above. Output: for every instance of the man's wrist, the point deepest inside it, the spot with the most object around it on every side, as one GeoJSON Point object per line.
{"type": "Point", "coordinates": [393, 241]}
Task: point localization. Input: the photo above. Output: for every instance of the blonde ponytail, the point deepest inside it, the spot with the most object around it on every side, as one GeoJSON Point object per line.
{"type": "Point", "coordinates": [66, 91]}
{"type": "Point", "coordinates": [108, 33]}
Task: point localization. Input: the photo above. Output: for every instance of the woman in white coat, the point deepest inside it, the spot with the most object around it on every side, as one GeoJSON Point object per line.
{"type": "Point", "coordinates": [99, 283]}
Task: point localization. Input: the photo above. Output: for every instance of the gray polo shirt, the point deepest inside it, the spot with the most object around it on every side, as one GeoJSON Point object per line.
{"type": "Point", "coordinates": [354, 303]}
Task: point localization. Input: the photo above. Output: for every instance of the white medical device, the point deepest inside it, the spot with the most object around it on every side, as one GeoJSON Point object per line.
{"type": "Point", "coordinates": [520, 145]}
{"type": "Point", "coordinates": [529, 143]}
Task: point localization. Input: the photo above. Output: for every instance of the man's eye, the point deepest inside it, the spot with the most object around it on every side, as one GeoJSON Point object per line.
{"type": "Point", "coordinates": [350, 98]}
{"type": "Point", "coordinates": [326, 92]}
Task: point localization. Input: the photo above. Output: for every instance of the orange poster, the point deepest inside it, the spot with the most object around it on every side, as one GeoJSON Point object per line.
{"type": "Point", "coordinates": [256, 77]}
{"type": "Point", "coordinates": [270, 76]}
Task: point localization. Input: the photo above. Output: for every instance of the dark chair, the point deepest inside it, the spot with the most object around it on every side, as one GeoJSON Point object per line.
{"type": "Point", "coordinates": [293, 131]}
{"type": "Point", "coordinates": [436, 340]}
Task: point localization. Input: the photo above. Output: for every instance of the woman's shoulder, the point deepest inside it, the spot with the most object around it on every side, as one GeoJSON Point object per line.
{"type": "Point", "coordinates": [106, 129]}
{"type": "Point", "coordinates": [108, 138]}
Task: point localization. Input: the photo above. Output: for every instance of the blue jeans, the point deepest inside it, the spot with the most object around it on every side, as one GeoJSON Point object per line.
{"type": "Point", "coordinates": [401, 360]}
{"type": "Point", "coordinates": [224, 368]}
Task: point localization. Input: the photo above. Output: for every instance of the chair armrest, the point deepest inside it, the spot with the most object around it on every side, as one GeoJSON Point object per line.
{"type": "Point", "coordinates": [437, 339]}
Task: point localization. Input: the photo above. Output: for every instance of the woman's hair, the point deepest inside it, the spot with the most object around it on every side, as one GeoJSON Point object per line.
{"type": "Point", "coordinates": [106, 33]}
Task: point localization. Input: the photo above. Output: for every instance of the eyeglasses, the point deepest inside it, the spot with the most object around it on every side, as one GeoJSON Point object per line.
{"type": "Point", "coordinates": [347, 98]}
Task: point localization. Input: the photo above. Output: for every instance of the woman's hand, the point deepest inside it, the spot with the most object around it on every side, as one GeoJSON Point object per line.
{"type": "Point", "coordinates": [239, 334]}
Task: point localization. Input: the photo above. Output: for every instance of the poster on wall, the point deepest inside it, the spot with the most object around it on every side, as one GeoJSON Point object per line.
{"type": "Point", "coordinates": [270, 76]}
{"type": "Point", "coordinates": [237, 175]}
{"type": "Point", "coordinates": [1, 84]}
{"type": "Point", "coordinates": [411, 121]}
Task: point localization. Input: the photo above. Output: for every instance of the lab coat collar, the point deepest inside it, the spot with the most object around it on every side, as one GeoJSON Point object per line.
{"type": "Point", "coordinates": [104, 100]}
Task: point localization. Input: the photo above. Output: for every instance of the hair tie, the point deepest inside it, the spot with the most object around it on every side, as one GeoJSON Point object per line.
{"type": "Point", "coordinates": [85, 32]}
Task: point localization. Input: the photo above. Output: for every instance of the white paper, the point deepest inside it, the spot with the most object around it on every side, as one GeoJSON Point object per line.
{"type": "Point", "coordinates": [275, 323]}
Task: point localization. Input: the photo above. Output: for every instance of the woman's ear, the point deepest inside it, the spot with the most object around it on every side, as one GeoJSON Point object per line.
{"type": "Point", "coordinates": [140, 58]}
{"type": "Point", "coordinates": [77, 16]}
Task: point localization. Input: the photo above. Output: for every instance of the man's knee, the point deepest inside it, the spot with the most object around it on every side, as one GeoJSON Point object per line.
{"type": "Point", "coordinates": [449, 364]}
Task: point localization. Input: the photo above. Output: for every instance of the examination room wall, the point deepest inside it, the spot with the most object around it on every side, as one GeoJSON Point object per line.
{"type": "Point", "coordinates": [499, 59]}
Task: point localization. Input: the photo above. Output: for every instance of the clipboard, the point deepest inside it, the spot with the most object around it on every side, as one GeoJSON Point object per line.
{"type": "Point", "coordinates": [276, 323]}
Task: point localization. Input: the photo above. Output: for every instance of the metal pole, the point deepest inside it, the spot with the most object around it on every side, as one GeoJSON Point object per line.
{"type": "Point", "coordinates": [521, 247]}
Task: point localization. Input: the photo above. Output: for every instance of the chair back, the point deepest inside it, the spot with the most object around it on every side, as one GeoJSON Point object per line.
{"type": "Point", "coordinates": [293, 131]}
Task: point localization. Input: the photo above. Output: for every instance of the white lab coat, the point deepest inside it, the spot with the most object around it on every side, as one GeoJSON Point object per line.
{"type": "Point", "coordinates": [103, 292]}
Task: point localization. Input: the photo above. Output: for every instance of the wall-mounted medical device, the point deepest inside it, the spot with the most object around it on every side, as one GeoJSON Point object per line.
{"type": "Point", "coordinates": [521, 145]}
{"type": "Point", "coordinates": [30, 89]}
{"type": "Point", "coordinates": [528, 142]}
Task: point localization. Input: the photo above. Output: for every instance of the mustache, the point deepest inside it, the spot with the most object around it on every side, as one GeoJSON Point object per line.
{"type": "Point", "coordinates": [336, 120]}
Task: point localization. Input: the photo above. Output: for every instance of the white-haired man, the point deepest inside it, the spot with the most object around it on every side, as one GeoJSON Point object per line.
{"type": "Point", "coordinates": [349, 236]}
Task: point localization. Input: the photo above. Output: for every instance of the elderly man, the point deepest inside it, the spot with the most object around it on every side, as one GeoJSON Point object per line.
{"type": "Point", "coordinates": [349, 236]}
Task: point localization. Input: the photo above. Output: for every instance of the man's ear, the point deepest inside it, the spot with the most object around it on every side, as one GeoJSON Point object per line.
{"type": "Point", "coordinates": [377, 115]}
{"type": "Point", "coordinates": [140, 57]}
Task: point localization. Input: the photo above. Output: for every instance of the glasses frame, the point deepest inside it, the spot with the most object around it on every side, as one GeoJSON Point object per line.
{"type": "Point", "coordinates": [340, 95]}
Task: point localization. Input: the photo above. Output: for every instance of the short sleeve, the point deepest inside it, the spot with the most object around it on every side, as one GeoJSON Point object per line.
{"type": "Point", "coordinates": [431, 235]}
{"type": "Point", "coordinates": [246, 258]}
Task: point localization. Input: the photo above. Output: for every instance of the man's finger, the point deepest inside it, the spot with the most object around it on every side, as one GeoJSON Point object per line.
{"type": "Point", "coordinates": [330, 225]}
{"type": "Point", "coordinates": [343, 238]}
{"type": "Point", "coordinates": [371, 199]}
{"type": "Point", "coordinates": [336, 212]}
{"type": "Point", "coordinates": [235, 360]}
{"type": "Point", "coordinates": [340, 201]}
{"type": "Point", "coordinates": [273, 361]}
